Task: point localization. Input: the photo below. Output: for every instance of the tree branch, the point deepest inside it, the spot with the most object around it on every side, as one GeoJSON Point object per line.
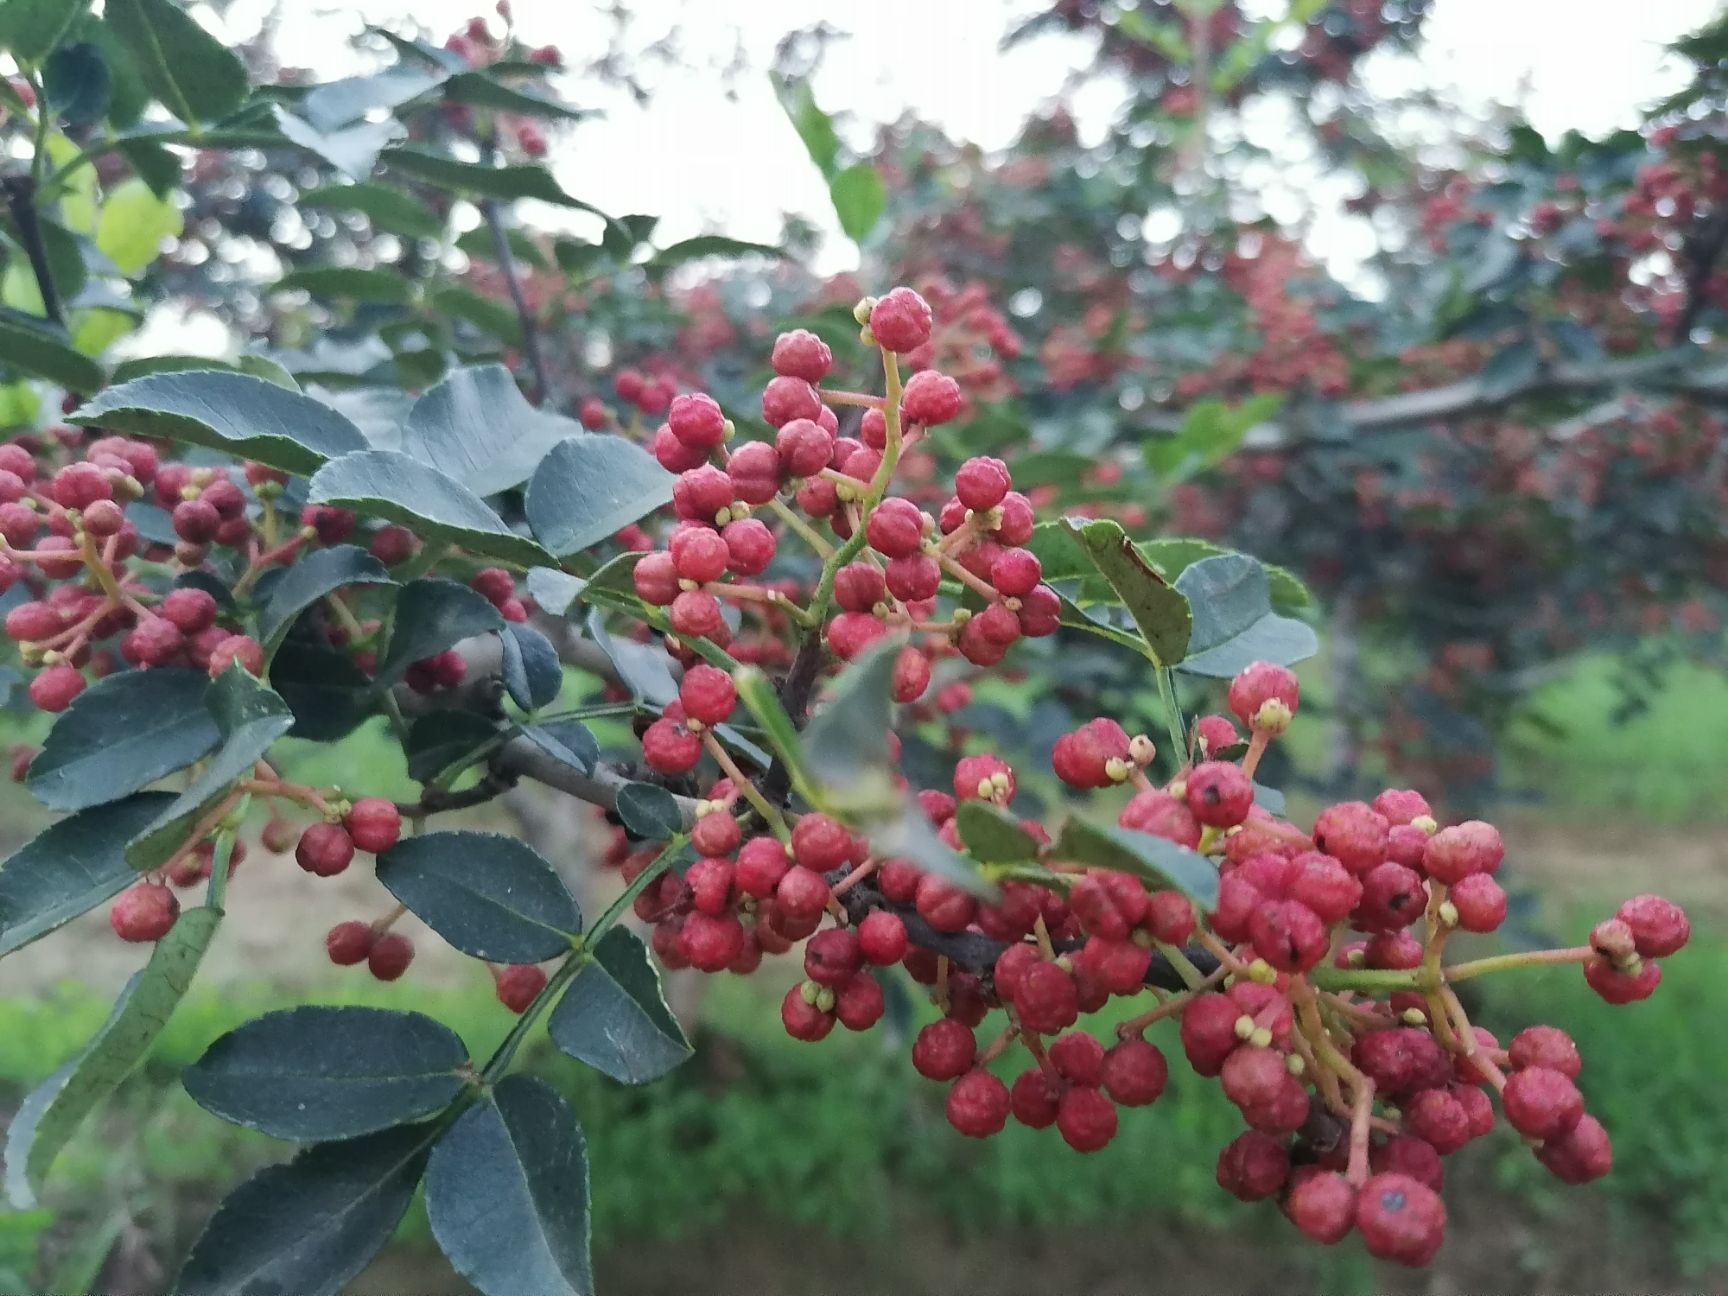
{"type": "Point", "coordinates": [525, 758]}
{"type": "Point", "coordinates": [21, 199]}
{"type": "Point", "coordinates": [512, 281]}
{"type": "Point", "coordinates": [1702, 252]}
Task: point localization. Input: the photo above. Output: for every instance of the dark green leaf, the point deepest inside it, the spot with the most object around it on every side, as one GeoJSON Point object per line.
{"type": "Point", "coordinates": [77, 83]}
{"type": "Point", "coordinates": [477, 427]}
{"type": "Point", "coordinates": [1271, 800]}
{"type": "Point", "coordinates": [193, 74]}
{"type": "Point", "coordinates": [316, 1072]}
{"type": "Point", "coordinates": [1175, 554]}
{"type": "Point", "coordinates": [389, 484]}
{"type": "Point", "coordinates": [532, 673]}
{"type": "Point", "coordinates": [328, 694]}
{"type": "Point", "coordinates": [484, 90]}
{"type": "Point", "coordinates": [1234, 624]}
{"type": "Point", "coordinates": [481, 180]}
{"type": "Point", "coordinates": [859, 198]}
{"type": "Point", "coordinates": [247, 417]}
{"type": "Point", "coordinates": [813, 125]}
{"type": "Point", "coordinates": [251, 718]}
{"type": "Point", "coordinates": [441, 740]}
{"type": "Point", "coordinates": [433, 614]}
{"type": "Point", "coordinates": [1153, 859]}
{"type": "Point", "coordinates": [479, 243]}
{"type": "Point", "coordinates": [56, 1107]}
{"type": "Point", "coordinates": [71, 867]}
{"type": "Point", "coordinates": [352, 150]}
{"type": "Point", "coordinates": [323, 571]}
{"type": "Point", "coordinates": [553, 590]}
{"type": "Point", "coordinates": [375, 287]}
{"type": "Point", "coordinates": [489, 895]}
{"type": "Point", "coordinates": [31, 29]}
{"type": "Point", "coordinates": [649, 811]}
{"type": "Point", "coordinates": [710, 245]}
{"type": "Point", "coordinates": [337, 103]}
{"type": "Point", "coordinates": [122, 733]}
{"type": "Point", "coordinates": [614, 1016]}
{"type": "Point", "coordinates": [645, 669]}
{"type": "Point", "coordinates": [588, 487]}
{"type": "Point", "coordinates": [309, 1226]}
{"type": "Point", "coordinates": [507, 1194]}
{"type": "Point", "coordinates": [41, 350]}
{"type": "Point", "coordinates": [993, 836]}
{"type": "Point", "coordinates": [568, 741]}
{"type": "Point", "coordinates": [492, 317]}
{"type": "Point", "coordinates": [1160, 611]}
{"type": "Point", "coordinates": [845, 744]}
{"type": "Point", "coordinates": [387, 208]}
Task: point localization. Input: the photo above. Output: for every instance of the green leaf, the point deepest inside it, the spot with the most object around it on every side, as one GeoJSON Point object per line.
{"type": "Point", "coordinates": [1211, 431]}
{"type": "Point", "coordinates": [479, 244]}
{"type": "Point", "coordinates": [649, 811]}
{"type": "Point", "coordinates": [247, 417]}
{"type": "Point", "coordinates": [614, 1016]}
{"type": "Point", "coordinates": [321, 572]}
{"type": "Point", "coordinates": [329, 695]}
{"type": "Point", "coordinates": [133, 225]}
{"type": "Point", "coordinates": [814, 126]}
{"type": "Point", "coordinates": [709, 245]}
{"type": "Point", "coordinates": [316, 1072]}
{"type": "Point", "coordinates": [390, 484]}
{"type": "Point", "coordinates": [484, 90]}
{"type": "Point", "coordinates": [251, 718]}
{"type": "Point", "coordinates": [1160, 611]}
{"type": "Point", "coordinates": [993, 836]}
{"type": "Point", "coordinates": [845, 745]}
{"type": "Point", "coordinates": [859, 198]}
{"type": "Point", "coordinates": [507, 1194]}
{"type": "Point", "coordinates": [193, 74]}
{"type": "Point", "coordinates": [589, 487]}
{"type": "Point", "coordinates": [387, 208]}
{"type": "Point", "coordinates": [37, 348]}
{"type": "Point", "coordinates": [554, 590]}
{"type": "Point", "coordinates": [908, 835]}
{"type": "Point", "coordinates": [489, 316]}
{"type": "Point", "coordinates": [440, 741]}
{"type": "Point", "coordinates": [1152, 859]}
{"type": "Point", "coordinates": [310, 1226]}
{"type": "Point", "coordinates": [1175, 554]}
{"type": "Point", "coordinates": [1234, 624]}
{"type": "Point", "coordinates": [756, 692]}
{"type": "Point", "coordinates": [371, 286]}
{"type": "Point", "coordinates": [156, 165]}
{"type": "Point", "coordinates": [122, 733]}
{"type": "Point", "coordinates": [77, 84]}
{"type": "Point", "coordinates": [335, 104]}
{"type": "Point", "coordinates": [352, 150]}
{"type": "Point", "coordinates": [70, 868]}
{"type": "Point", "coordinates": [489, 895]}
{"type": "Point", "coordinates": [55, 1108]}
{"type": "Point", "coordinates": [32, 29]}
{"type": "Point", "coordinates": [533, 675]}
{"type": "Point", "coordinates": [433, 614]}
{"type": "Point", "coordinates": [477, 427]}
{"type": "Point", "coordinates": [569, 741]}
{"type": "Point", "coordinates": [483, 181]}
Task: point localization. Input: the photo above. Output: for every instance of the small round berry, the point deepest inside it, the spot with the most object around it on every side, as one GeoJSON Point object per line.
{"type": "Point", "coordinates": [860, 1003]}
{"type": "Point", "coordinates": [1400, 1219]}
{"type": "Point", "coordinates": [707, 693]}
{"type": "Point", "coordinates": [1393, 897]}
{"type": "Point", "coordinates": [1401, 806]}
{"type": "Point", "coordinates": [1214, 734]}
{"type": "Point", "coordinates": [785, 399]}
{"type": "Point", "coordinates": [932, 398]}
{"type": "Point", "coordinates": [1454, 853]}
{"type": "Point", "coordinates": [670, 748]}
{"type": "Point", "coordinates": [750, 546]}
{"type": "Point", "coordinates": [1263, 696]}
{"type": "Point", "coordinates": [978, 1104]}
{"type": "Point", "coordinates": [695, 614]}
{"type": "Point", "coordinates": [1659, 926]}
{"type": "Point", "coordinates": [801, 354]}
{"type": "Point", "coordinates": [1034, 1099]}
{"type": "Point", "coordinates": [1135, 1073]}
{"type": "Point", "coordinates": [53, 689]}
{"type": "Point", "coordinates": [1353, 833]}
{"type": "Point", "coordinates": [982, 483]}
{"type": "Point", "coordinates": [710, 942]}
{"type": "Point", "coordinates": [325, 849]}
{"type": "Point", "coordinates": [1219, 794]}
{"type": "Point", "coordinates": [348, 943]}
{"type": "Point", "coordinates": [1046, 999]}
{"type": "Point", "coordinates": [986, 778]}
{"type": "Point", "coordinates": [519, 984]}
{"type": "Point", "coordinates": [820, 842]}
{"type": "Point", "coordinates": [1086, 1118]}
{"type": "Point", "coordinates": [697, 421]}
{"type": "Point", "coordinates": [1581, 1155]}
{"type": "Point", "coordinates": [1480, 902]}
{"type": "Point", "coordinates": [1545, 1046]}
{"type": "Point", "coordinates": [145, 912]}
{"type": "Point", "coordinates": [1321, 1203]}
{"type": "Point", "coordinates": [914, 578]}
{"type": "Point", "coordinates": [895, 528]}
{"type": "Point", "coordinates": [1253, 1166]}
{"type": "Point", "coordinates": [1541, 1103]}
{"type": "Point", "coordinates": [1015, 573]}
{"type": "Point", "coordinates": [189, 609]}
{"type": "Point", "coordinates": [944, 1050]}
{"type": "Point", "coordinates": [1078, 1057]}
{"type": "Point", "coordinates": [1619, 987]}
{"type": "Point", "coordinates": [900, 320]}
{"type": "Point", "coordinates": [882, 938]}
{"type": "Point", "coordinates": [804, 447]}
{"type": "Point", "coordinates": [762, 862]}
{"type": "Point", "coordinates": [832, 957]}
{"type": "Point", "coordinates": [241, 649]}
{"type": "Point", "coordinates": [698, 554]}
{"type": "Point", "coordinates": [802, 1019]}
{"type": "Point", "coordinates": [391, 954]}
{"type": "Point", "coordinates": [374, 823]}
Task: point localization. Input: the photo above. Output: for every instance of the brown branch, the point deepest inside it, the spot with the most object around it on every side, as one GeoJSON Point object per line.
{"type": "Point", "coordinates": [21, 199]}
{"type": "Point", "coordinates": [513, 282]}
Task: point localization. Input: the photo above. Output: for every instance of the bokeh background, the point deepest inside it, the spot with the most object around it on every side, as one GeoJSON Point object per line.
{"type": "Point", "coordinates": [1520, 605]}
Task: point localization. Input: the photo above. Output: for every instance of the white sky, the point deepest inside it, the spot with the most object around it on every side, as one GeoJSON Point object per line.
{"type": "Point", "coordinates": [712, 152]}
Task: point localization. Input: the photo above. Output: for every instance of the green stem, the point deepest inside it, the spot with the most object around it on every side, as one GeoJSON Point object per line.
{"type": "Point", "coordinates": [789, 515]}
{"type": "Point", "coordinates": [1173, 723]}
{"type": "Point", "coordinates": [656, 866]}
{"type": "Point", "coordinates": [1192, 977]}
{"type": "Point", "coordinates": [1529, 958]}
{"type": "Point", "coordinates": [1366, 979]}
